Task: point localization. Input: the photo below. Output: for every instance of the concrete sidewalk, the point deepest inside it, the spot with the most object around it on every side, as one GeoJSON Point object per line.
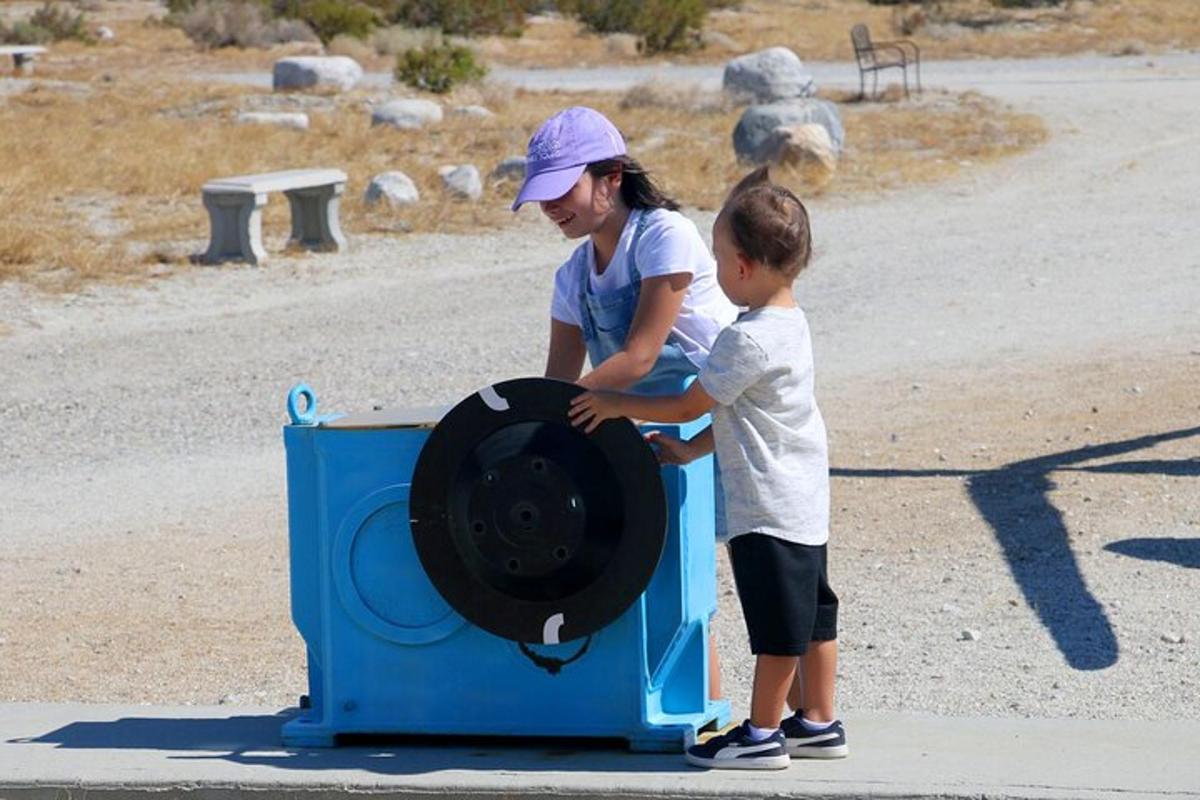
{"type": "Point", "coordinates": [56, 751]}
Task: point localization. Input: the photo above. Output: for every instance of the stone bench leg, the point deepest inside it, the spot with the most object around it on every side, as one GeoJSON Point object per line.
{"type": "Point", "coordinates": [236, 226]}
{"type": "Point", "coordinates": [23, 63]}
{"type": "Point", "coordinates": [315, 222]}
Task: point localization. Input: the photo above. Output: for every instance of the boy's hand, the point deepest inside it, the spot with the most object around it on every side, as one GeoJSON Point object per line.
{"type": "Point", "coordinates": [670, 449]}
{"type": "Point", "coordinates": [589, 409]}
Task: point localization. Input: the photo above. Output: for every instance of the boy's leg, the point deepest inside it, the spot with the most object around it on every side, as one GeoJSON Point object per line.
{"type": "Point", "coordinates": [795, 698]}
{"type": "Point", "coordinates": [773, 676]}
{"type": "Point", "coordinates": [815, 680]}
{"type": "Point", "coordinates": [714, 668]}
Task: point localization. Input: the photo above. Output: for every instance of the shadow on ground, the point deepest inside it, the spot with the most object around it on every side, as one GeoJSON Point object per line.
{"type": "Point", "coordinates": [1014, 500]}
{"type": "Point", "coordinates": [255, 740]}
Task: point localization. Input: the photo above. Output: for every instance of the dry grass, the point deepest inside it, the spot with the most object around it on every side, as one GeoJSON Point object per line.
{"type": "Point", "coordinates": [126, 168]}
{"type": "Point", "coordinates": [818, 30]}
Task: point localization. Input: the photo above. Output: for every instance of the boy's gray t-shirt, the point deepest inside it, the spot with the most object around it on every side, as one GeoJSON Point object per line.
{"type": "Point", "coordinates": [769, 434]}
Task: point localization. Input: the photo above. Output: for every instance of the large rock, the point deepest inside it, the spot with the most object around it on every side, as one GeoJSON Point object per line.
{"type": "Point", "coordinates": [768, 76]}
{"type": "Point", "coordinates": [406, 114]}
{"type": "Point", "coordinates": [754, 129]}
{"type": "Point", "coordinates": [307, 72]}
{"type": "Point", "coordinates": [462, 181]}
{"type": "Point", "coordinates": [394, 187]}
{"type": "Point", "coordinates": [510, 169]}
{"type": "Point", "coordinates": [297, 120]}
{"type": "Point", "coordinates": [805, 147]}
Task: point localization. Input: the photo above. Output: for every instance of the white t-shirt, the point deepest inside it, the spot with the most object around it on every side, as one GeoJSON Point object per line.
{"type": "Point", "coordinates": [769, 434]}
{"type": "Point", "coordinates": [669, 244]}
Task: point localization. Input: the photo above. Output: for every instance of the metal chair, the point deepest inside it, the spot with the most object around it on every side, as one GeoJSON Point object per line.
{"type": "Point", "coordinates": [867, 53]}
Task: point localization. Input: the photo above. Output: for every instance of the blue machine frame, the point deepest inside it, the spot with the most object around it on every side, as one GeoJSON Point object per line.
{"type": "Point", "coordinates": [387, 655]}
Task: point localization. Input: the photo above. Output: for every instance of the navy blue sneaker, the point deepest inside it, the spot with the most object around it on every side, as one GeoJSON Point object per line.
{"type": "Point", "coordinates": [735, 749]}
{"type": "Point", "coordinates": [803, 742]}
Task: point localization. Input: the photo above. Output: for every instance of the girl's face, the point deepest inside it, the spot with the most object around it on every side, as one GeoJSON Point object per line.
{"type": "Point", "coordinates": [585, 208]}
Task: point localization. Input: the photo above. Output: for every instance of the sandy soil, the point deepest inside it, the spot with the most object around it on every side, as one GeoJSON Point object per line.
{"type": "Point", "coordinates": [1008, 365]}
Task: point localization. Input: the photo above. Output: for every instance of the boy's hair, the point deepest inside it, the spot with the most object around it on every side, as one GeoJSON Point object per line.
{"type": "Point", "coordinates": [769, 223]}
{"type": "Point", "coordinates": [638, 189]}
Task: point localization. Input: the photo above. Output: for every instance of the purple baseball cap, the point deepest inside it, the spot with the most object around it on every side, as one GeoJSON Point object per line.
{"type": "Point", "coordinates": [561, 150]}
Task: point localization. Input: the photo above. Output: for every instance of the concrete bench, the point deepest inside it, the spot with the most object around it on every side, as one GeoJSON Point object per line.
{"type": "Point", "coordinates": [23, 56]}
{"type": "Point", "coordinates": [235, 212]}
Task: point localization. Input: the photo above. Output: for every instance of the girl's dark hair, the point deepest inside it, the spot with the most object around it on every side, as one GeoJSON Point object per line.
{"type": "Point", "coordinates": [769, 223]}
{"type": "Point", "coordinates": [638, 189]}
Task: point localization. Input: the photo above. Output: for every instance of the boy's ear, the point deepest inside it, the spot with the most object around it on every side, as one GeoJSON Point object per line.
{"type": "Point", "coordinates": [745, 265]}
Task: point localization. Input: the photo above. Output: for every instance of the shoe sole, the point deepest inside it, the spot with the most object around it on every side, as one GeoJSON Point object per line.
{"type": "Point", "coordinates": [773, 762]}
{"type": "Point", "coordinates": [840, 751]}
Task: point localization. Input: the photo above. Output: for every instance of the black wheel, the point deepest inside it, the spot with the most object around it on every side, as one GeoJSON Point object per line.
{"type": "Point", "coordinates": [529, 528]}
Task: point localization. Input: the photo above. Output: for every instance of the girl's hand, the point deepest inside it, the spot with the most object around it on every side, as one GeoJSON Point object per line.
{"type": "Point", "coordinates": [670, 449]}
{"type": "Point", "coordinates": [589, 409]}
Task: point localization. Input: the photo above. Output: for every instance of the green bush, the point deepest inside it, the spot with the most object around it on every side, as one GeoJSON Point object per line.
{"type": "Point", "coordinates": [662, 25]}
{"type": "Point", "coordinates": [50, 23]}
{"type": "Point", "coordinates": [330, 18]}
{"type": "Point", "coordinates": [438, 68]}
{"type": "Point", "coordinates": [459, 17]}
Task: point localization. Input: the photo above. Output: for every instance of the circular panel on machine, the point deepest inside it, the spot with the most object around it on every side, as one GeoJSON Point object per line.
{"type": "Point", "coordinates": [530, 528]}
{"type": "Point", "coordinates": [379, 578]}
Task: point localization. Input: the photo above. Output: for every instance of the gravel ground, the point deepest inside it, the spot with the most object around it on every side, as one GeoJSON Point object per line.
{"type": "Point", "coordinates": [1008, 364]}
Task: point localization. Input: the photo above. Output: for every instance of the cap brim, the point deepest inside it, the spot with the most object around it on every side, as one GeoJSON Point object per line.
{"type": "Point", "coordinates": [549, 185]}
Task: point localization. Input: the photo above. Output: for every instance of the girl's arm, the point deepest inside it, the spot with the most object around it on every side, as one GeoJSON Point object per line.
{"type": "Point", "coordinates": [658, 305]}
{"type": "Point", "coordinates": [589, 409]}
{"type": "Point", "coordinates": [567, 351]}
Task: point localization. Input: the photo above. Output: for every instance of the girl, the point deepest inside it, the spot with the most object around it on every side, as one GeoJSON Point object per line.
{"type": "Point", "coordinates": [639, 297]}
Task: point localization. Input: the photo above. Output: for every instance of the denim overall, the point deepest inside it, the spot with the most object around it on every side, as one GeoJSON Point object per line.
{"type": "Point", "coordinates": [606, 320]}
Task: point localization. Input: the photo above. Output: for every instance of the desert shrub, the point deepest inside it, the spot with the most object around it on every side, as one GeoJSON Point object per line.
{"type": "Point", "coordinates": [219, 23]}
{"type": "Point", "coordinates": [22, 32]}
{"type": "Point", "coordinates": [50, 23]}
{"type": "Point", "coordinates": [662, 25]}
{"type": "Point", "coordinates": [350, 46]}
{"type": "Point", "coordinates": [438, 68]}
{"type": "Point", "coordinates": [331, 18]}
{"type": "Point", "coordinates": [461, 17]}
{"type": "Point", "coordinates": [395, 39]}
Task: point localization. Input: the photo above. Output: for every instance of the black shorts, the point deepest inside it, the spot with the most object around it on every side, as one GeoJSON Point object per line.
{"type": "Point", "coordinates": [785, 594]}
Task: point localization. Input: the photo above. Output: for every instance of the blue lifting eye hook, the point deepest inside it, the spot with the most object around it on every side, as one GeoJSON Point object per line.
{"type": "Point", "coordinates": [308, 415]}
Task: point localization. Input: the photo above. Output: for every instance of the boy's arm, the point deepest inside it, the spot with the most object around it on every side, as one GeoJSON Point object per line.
{"type": "Point", "coordinates": [702, 443]}
{"type": "Point", "coordinates": [676, 451]}
{"type": "Point", "coordinates": [589, 409]}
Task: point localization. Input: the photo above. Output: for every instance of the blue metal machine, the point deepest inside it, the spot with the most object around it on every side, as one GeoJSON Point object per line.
{"type": "Point", "coordinates": [388, 655]}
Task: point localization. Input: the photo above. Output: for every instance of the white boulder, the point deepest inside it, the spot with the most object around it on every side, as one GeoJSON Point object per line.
{"type": "Point", "coordinates": [307, 72]}
{"type": "Point", "coordinates": [753, 132]}
{"type": "Point", "coordinates": [510, 169]}
{"type": "Point", "coordinates": [462, 181]}
{"type": "Point", "coordinates": [406, 114]}
{"type": "Point", "coordinates": [394, 187]}
{"type": "Point", "coordinates": [295, 120]}
{"type": "Point", "coordinates": [805, 147]}
{"type": "Point", "coordinates": [768, 76]}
